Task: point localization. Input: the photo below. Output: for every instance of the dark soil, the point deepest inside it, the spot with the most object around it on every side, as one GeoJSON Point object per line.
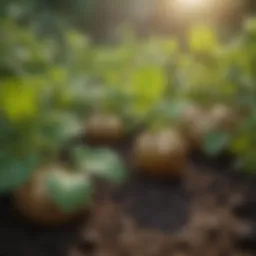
{"type": "Point", "coordinates": [211, 212]}
{"type": "Point", "coordinates": [21, 238]}
{"type": "Point", "coordinates": [160, 218]}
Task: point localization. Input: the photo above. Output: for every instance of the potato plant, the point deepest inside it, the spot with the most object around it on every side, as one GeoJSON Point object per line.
{"type": "Point", "coordinates": [57, 192]}
{"type": "Point", "coordinates": [51, 91]}
{"type": "Point", "coordinates": [220, 78]}
{"type": "Point", "coordinates": [210, 94]}
{"type": "Point", "coordinates": [43, 103]}
{"type": "Point", "coordinates": [132, 80]}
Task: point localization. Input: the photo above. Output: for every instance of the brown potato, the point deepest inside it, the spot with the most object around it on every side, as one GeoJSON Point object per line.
{"type": "Point", "coordinates": [161, 153]}
{"type": "Point", "coordinates": [32, 201]}
{"type": "Point", "coordinates": [104, 128]}
{"type": "Point", "coordinates": [222, 118]}
{"type": "Point", "coordinates": [193, 123]}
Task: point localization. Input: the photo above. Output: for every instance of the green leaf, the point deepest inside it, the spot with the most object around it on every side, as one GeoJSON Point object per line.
{"type": "Point", "coordinates": [59, 128]}
{"type": "Point", "coordinates": [240, 143]}
{"type": "Point", "coordinates": [215, 142]}
{"type": "Point", "coordinates": [202, 39]}
{"type": "Point", "coordinates": [15, 171]}
{"type": "Point", "coordinates": [70, 127]}
{"type": "Point", "coordinates": [106, 165]}
{"type": "Point", "coordinates": [18, 100]}
{"type": "Point", "coordinates": [102, 163]}
{"type": "Point", "coordinates": [69, 191]}
{"type": "Point", "coordinates": [172, 110]}
{"type": "Point", "coordinates": [79, 154]}
{"type": "Point", "coordinates": [116, 99]}
{"type": "Point", "coordinates": [147, 86]}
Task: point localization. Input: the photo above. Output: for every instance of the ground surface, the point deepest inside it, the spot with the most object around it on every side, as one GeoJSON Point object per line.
{"type": "Point", "coordinates": [149, 218]}
{"type": "Point", "coordinates": [202, 214]}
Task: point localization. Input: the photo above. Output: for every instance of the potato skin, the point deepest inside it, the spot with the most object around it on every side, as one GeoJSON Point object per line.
{"type": "Point", "coordinates": [223, 118]}
{"type": "Point", "coordinates": [104, 128]}
{"type": "Point", "coordinates": [33, 203]}
{"type": "Point", "coordinates": [193, 123]}
{"type": "Point", "coordinates": [162, 153]}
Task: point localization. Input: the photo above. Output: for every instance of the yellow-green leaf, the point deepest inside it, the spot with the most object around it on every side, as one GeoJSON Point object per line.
{"type": "Point", "coordinates": [18, 100]}
{"type": "Point", "coordinates": [202, 39]}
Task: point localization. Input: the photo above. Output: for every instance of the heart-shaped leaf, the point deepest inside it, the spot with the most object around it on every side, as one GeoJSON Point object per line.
{"type": "Point", "coordinates": [102, 163]}
{"type": "Point", "coordinates": [107, 165]}
{"type": "Point", "coordinates": [215, 142]}
{"type": "Point", "coordinates": [59, 128]}
{"type": "Point", "coordinates": [69, 191]}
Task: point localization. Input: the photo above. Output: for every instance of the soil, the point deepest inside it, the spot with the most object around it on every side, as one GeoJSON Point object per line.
{"type": "Point", "coordinates": [211, 212]}
{"type": "Point", "coordinates": [22, 238]}
{"type": "Point", "coordinates": [159, 218]}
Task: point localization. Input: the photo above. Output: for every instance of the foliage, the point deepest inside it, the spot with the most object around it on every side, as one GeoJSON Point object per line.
{"type": "Point", "coordinates": [72, 188]}
{"type": "Point", "coordinates": [44, 99]}
{"type": "Point", "coordinates": [69, 192]}
{"type": "Point", "coordinates": [49, 82]}
{"type": "Point", "coordinates": [224, 74]}
{"type": "Point", "coordinates": [101, 163]}
{"type": "Point", "coordinates": [215, 142]}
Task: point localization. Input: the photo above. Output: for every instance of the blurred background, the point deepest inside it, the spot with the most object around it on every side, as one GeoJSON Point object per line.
{"type": "Point", "coordinates": [72, 70]}
{"type": "Point", "coordinates": [102, 19]}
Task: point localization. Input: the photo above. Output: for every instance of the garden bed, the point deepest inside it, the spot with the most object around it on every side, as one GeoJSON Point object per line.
{"type": "Point", "coordinates": [199, 98]}
{"type": "Point", "coordinates": [148, 217]}
{"type": "Point", "coordinates": [157, 218]}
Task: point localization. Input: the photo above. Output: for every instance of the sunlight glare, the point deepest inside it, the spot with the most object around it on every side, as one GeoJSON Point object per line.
{"type": "Point", "coordinates": [190, 4]}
